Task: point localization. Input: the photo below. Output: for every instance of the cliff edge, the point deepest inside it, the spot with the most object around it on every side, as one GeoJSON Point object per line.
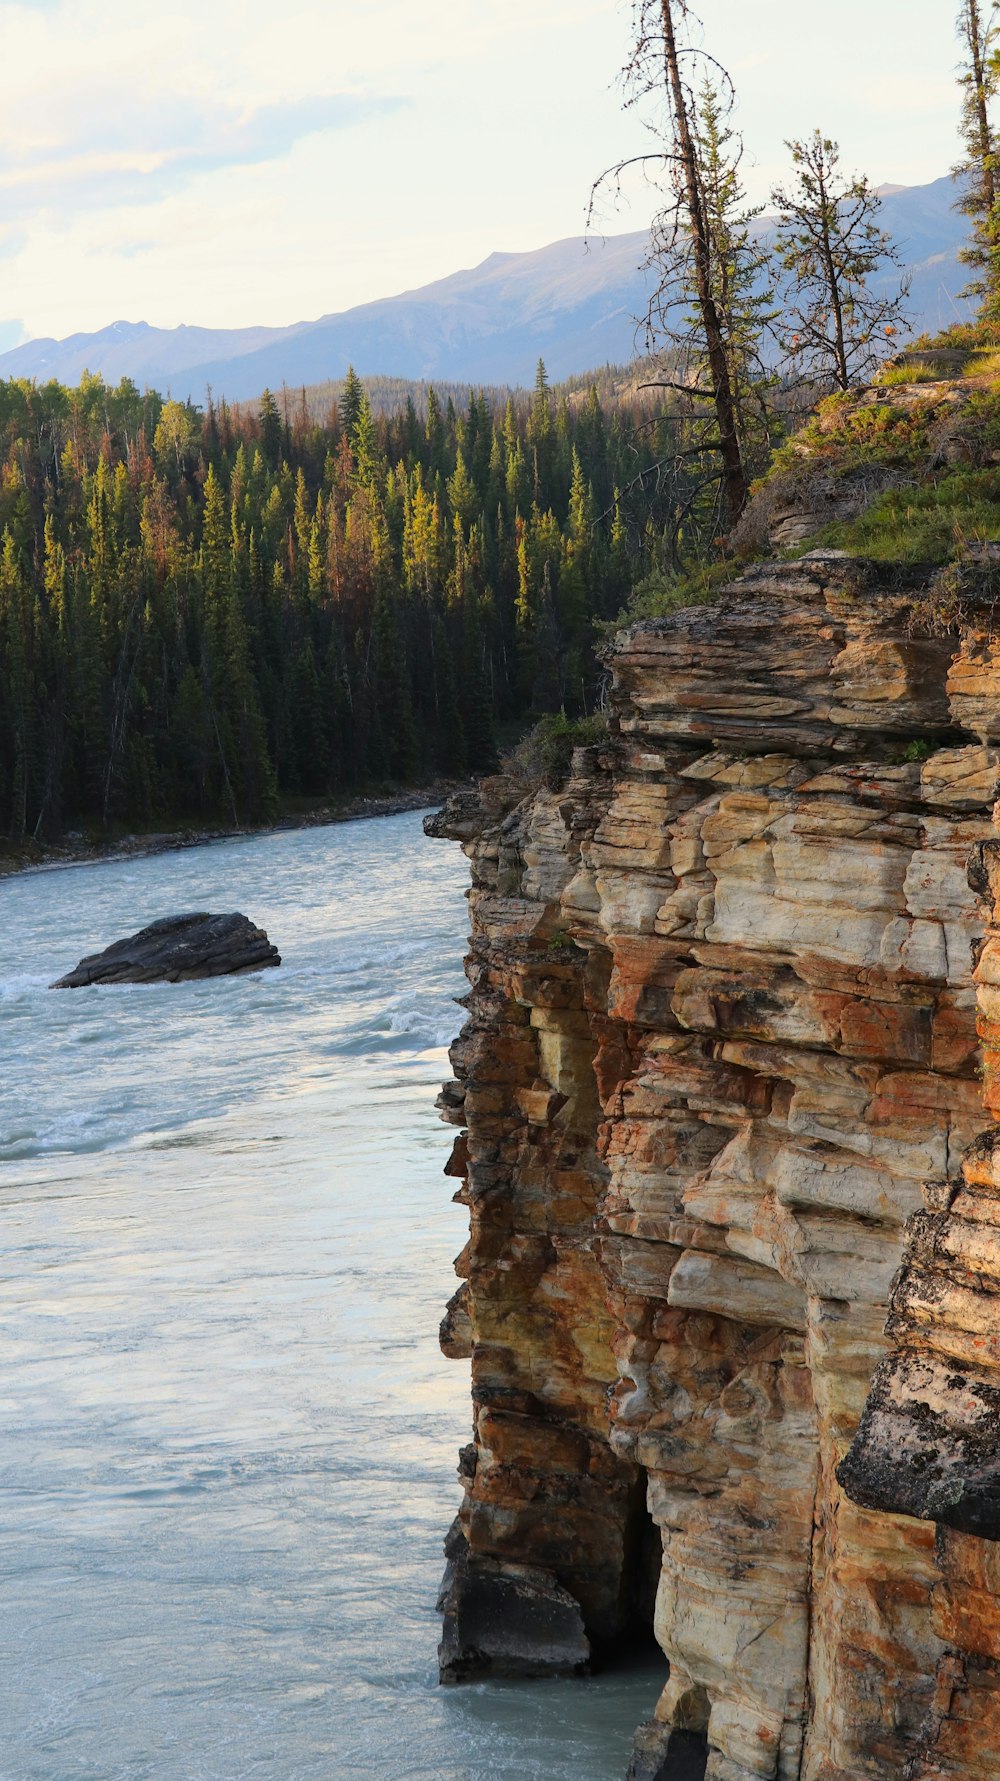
{"type": "Point", "coordinates": [721, 1069]}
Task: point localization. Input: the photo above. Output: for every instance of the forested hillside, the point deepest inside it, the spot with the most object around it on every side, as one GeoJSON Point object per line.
{"type": "Point", "coordinates": [204, 615]}
{"type": "Point", "coordinates": [209, 615]}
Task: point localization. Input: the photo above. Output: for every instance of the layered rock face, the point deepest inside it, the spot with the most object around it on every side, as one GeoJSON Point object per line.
{"type": "Point", "coordinates": [721, 1049]}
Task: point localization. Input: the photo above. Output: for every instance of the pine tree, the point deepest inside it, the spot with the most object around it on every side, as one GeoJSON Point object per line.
{"type": "Point", "coordinates": [317, 554]}
{"type": "Point", "coordinates": [392, 698]}
{"type": "Point", "coordinates": [434, 432]}
{"type": "Point", "coordinates": [477, 702]}
{"type": "Point", "coordinates": [194, 745]}
{"type": "Point", "coordinates": [57, 671]}
{"type": "Point", "coordinates": [215, 560]}
{"type": "Point", "coordinates": [251, 774]}
{"type": "Point", "coordinates": [449, 731]}
{"type": "Point", "coordinates": [462, 494]}
{"type": "Point", "coordinates": [740, 273]}
{"type": "Point", "coordinates": [368, 461]}
{"type": "Point", "coordinates": [836, 325]}
{"type": "Point", "coordinates": [311, 738]}
{"type": "Point", "coordinates": [979, 76]}
{"type": "Point", "coordinates": [412, 436]}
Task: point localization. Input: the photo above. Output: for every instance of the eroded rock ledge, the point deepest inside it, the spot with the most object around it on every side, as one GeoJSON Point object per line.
{"type": "Point", "coordinates": [721, 1048]}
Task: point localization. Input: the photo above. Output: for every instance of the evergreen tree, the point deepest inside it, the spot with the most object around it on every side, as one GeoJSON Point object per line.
{"type": "Point", "coordinates": [663, 49]}
{"type": "Point", "coordinates": [836, 324]}
{"type": "Point", "coordinates": [979, 74]}
{"type": "Point", "coordinates": [17, 705]}
{"type": "Point", "coordinates": [434, 431]}
{"type": "Point", "coordinates": [251, 775]}
{"type": "Point", "coordinates": [193, 745]}
{"type": "Point", "coordinates": [351, 400]}
{"type": "Point", "coordinates": [367, 452]}
{"type": "Point", "coordinates": [271, 430]}
{"type": "Point", "coordinates": [462, 493]}
{"type": "Point", "coordinates": [391, 688]}
{"type": "Point", "coordinates": [740, 273]}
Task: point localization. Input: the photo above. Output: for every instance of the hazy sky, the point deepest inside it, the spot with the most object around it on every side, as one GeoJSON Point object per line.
{"type": "Point", "coordinates": [270, 160]}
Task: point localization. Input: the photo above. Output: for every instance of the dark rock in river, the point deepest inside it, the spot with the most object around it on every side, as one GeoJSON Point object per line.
{"type": "Point", "coordinates": [176, 949]}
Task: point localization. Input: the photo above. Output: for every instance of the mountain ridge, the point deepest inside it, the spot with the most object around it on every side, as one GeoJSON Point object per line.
{"type": "Point", "coordinates": [572, 302]}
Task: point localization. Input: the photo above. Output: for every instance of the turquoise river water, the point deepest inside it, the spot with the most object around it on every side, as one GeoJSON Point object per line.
{"type": "Point", "coordinates": [227, 1435]}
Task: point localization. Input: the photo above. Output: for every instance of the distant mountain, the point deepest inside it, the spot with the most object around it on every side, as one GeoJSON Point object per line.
{"type": "Point", "coordinates": [571, 303]}
{"type": "Point", "coordinates": [151, 356]}
{"type": "Point", "coordinates": [928, 232]}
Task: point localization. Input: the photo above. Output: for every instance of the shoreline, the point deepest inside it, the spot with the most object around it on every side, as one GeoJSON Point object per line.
{"type": "Point", "coordinates": [80, 850]}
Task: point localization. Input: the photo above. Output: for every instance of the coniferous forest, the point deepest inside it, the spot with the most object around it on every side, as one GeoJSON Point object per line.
{"type": "Point", "coordinates": [207, 614]}
{"type": "Point", "coordinates": [211, 614]}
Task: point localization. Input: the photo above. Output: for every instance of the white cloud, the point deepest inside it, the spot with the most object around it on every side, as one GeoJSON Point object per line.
{"type": "Point", "coordinates": [212, 164]}
{"type": "Point", "coordinates": [226, 161]}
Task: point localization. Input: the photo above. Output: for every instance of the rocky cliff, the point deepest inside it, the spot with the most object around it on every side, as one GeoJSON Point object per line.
{"type": "Point", "coordinates": [720, 1070]}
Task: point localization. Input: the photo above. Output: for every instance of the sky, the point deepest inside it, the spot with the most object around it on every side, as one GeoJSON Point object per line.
{"type": "Point", "coordinates": [231, 162]}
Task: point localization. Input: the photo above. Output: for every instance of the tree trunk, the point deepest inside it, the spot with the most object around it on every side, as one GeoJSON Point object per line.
{"type": "Point", "coordinates": [733, 473]}
{"type": "Point", "coordinates": [843, 376]}
{"type": "Point", "coordinates": [974, 26]}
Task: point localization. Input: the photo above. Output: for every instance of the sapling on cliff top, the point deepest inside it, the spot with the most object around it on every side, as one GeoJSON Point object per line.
{"type": "Point", "coordinates": [836, 325]}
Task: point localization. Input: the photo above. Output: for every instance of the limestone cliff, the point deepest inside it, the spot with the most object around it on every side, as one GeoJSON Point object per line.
{"type": "Point", "coordinates": [721, 1065]}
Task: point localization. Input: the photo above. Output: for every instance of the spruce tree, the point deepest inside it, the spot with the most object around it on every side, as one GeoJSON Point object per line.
{"type": "Point", "coordinates": [741, 274]}
{"type": "Point", "coordinates": [271, 430]}
{"type": "Point", "coordinates": [462, 493]}
{"type": "Point", "coordinates": [368, 459]}
{"type": "Point", "coordinates": [449, 731]}
{"type": "Point", "coordinates": [351, 398]}
{"type": "Point", "coordinates": [392, 697]}
{"type": "Point", "coordinates": [193, 746]}
{"type": "Point", "coordinates": [252, 776]}
{"type": "Point", "coordinates": [434, 433]}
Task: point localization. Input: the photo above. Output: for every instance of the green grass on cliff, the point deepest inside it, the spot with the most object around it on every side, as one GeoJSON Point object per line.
{"type": "Point", "coordinates": [929, 522]}
{"type": "Point", "coordinates": [942, 462]}
{"type": "Point", "coordinates": [843, 436]}
{"type": "Point", "coordinates": [924, 459]}
{"type": "Point", "coordinates": [897, 375]}
{"type": "Point", "coordinates": [664, 591]}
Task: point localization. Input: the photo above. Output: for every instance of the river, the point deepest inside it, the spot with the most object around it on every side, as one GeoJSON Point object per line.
{"type": "Point", "coordinates": [228, 1436]}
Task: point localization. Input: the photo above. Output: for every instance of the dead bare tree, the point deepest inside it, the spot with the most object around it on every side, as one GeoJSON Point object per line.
{"type": "Point", "coordinates": [701, 251]}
